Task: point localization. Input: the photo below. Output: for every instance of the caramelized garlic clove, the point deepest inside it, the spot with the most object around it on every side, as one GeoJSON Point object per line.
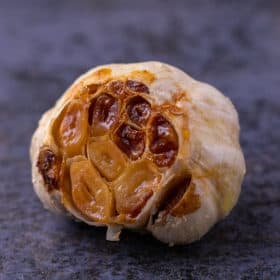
{"type": "Point", "coordinates": [179, 199]}
{"type": "Point", "coordinates": [163, 141]}
{"type": "Point", "coordinates": [115, 87]}
{"type": "Point", "coordinates": [138, 110]}
{"type": "Point", "coordinates": [90, 194]}
{"type": "Point", "coordinates": [136, 87]}
{"type": "Point", "coordinates": [130, 140]}
{"type": "Point", "coordinates": [134, 188]}
{"type": "Point", "coordinates": [70, 128]}
{"type": "Point", "coordinates": [50, 167]}
{"type": "Point", "coordinates": [107, 158]}
{"type": "Point", "coordinates": [103, 114]}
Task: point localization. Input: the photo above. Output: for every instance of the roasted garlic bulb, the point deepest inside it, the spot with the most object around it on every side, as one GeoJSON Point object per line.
{"type": "Point", "coordinates": [141, 146]}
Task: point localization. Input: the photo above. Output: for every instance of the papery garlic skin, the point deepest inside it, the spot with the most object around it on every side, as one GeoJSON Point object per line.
{"type": "Point", "coordinates": [206, 150]}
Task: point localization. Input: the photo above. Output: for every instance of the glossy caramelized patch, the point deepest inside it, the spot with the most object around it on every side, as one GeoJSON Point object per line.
{"type": "Point", "coordinates": [138, 110]}
{"type": "Point", "coordinates": [70, 128]}
{"type": "Point", "coordinates": [136, 86]}
{"type": "Point", "coordinates": [130, 140]}
{"type": "Point", "coordinates": [163, 141]}
{"type": "Point", "coordinates": [135, 187]}
{"type": "Point", "coordinates": [49, 166]}
{"type": "Point", "coordinates": [90, 194]}
{"type": "Point", "coordinates": [107, 158]}
{"type": "Point", "coordinates": [103, 114]}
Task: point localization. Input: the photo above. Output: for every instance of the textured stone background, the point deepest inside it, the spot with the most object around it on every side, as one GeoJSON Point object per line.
{"type": "Point", "coordinates": [234, 45]}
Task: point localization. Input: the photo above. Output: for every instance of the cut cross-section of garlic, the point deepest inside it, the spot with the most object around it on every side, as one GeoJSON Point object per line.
{"type": "Point", "coordinates": [140, 146]}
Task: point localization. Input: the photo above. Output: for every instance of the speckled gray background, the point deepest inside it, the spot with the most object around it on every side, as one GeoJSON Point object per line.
{"type": "Point", "coordinates": [234, 45]}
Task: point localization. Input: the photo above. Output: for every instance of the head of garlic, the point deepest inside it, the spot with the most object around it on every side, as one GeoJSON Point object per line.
{"type": "Point", "coordinates": [140, 146]}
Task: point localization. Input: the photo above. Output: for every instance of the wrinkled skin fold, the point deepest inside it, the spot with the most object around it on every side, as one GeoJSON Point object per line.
{"type": "Point", "coordinates": [140, 146]}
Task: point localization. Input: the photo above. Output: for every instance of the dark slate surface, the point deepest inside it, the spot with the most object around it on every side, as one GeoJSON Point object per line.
{"type": "Point", "coordinates": [234, 45]}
